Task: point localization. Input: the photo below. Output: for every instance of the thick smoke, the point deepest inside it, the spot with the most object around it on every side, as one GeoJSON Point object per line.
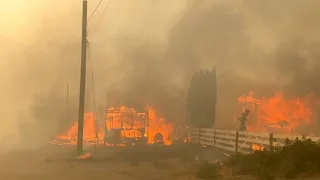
{"type": "Point", "coordinates": [265, 46]}
{"type": "Point", "coordinates": [256, 45]}
{"type": "Point", "coordinates": [148, 52]}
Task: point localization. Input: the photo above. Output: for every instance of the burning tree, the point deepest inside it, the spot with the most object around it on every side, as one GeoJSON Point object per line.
{"type": "Point", "coordinates": [243, 120]}
{"type": "Point", "coordinates": [202, 97]}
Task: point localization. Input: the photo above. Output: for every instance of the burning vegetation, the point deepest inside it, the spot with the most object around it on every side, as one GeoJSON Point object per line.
{"type": "Point", "coordinates": [121, 126]}
{"type": "Point", "coordinates": [278, 114]}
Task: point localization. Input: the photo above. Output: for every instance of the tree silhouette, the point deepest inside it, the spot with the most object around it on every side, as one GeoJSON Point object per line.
{"type": "Point", "coordinates": [202, 98]}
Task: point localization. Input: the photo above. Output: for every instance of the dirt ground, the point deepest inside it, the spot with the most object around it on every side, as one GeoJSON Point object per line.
{"type": "Point", "coordinates": [143, 163]}
{"type": "Point", "coordinates": [152, 163]}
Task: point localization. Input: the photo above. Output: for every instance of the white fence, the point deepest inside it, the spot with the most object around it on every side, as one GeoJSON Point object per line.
{"type": "Point", "coordinates": [240, 141]}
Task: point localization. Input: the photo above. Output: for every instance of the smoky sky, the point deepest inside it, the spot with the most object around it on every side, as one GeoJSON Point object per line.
{"type": "Point", "coordinates": [149, 51]}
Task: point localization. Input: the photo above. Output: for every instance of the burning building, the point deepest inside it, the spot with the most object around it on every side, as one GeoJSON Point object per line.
{"type": "Point", "coordinates": [122, 125]}
{"type": "Point", "coordinates": [127, 125]}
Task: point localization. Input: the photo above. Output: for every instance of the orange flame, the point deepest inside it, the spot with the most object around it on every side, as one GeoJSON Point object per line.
{"type": "Point", "coordinates": [126, 119]}
{"type": "Point", "coordinates": [129, 122]}
{"type": "Point", "coordinates": [159, 125]}
{"type": "Point", "coordinates": [89, 132]}
{"type": "Point", "coordinates": [277, 113]}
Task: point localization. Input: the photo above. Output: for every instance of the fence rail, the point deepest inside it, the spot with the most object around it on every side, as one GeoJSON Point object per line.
{"type": "Point", "coordinates": [240, 141]}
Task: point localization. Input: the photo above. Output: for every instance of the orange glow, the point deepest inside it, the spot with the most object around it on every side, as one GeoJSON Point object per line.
{"type": "Point", "coordinates": [256, 147]}
{"type": "Point", "coordinates": [277, 114]}
{"type": "Point", "coordinates": [89, 132]}
{"type": "Point", "coordinates": [127, 120]}
{"type": "Point", "coordinates": [159, 125]}
{"type": "Point", "coordinates": [84, 156]}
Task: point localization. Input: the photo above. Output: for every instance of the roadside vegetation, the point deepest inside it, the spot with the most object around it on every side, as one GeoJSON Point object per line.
{"type": "Point", "coordinates": [296, 159]}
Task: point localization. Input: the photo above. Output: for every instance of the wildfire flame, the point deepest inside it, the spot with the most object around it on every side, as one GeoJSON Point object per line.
{"type": "Point", "coordinates": [159, 125]}
{"type": "Point", "coordinates": [129, 125]}
{"type": "Point", "coordinates": [277, 113]}
{"type": "Point", "coordinates": [89, 132]}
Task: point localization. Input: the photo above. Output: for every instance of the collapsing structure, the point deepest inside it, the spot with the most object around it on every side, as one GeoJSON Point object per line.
{"type": "Point", "coordinates": [122, 126]}
{"type": "Point", "coordinates": [126, 126]}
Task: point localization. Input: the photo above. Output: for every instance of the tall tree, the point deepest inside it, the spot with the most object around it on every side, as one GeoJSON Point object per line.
{"type": "Point", "coordinates": [202, 98]}
{"type": "Point", "coordinates": [192, 101]}
{"type": "Point", "coordinates": [214, 93]}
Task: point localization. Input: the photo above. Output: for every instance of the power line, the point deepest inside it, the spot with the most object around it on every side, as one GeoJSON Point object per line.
{"type": "Point", "coordinates": [91, 63]}
{"type": "Point", "coordinates": [104, 12]}
{"type": "Point", "coordinates": [93, 89]}
{"type": "Point", "coordinates": [95, 10]}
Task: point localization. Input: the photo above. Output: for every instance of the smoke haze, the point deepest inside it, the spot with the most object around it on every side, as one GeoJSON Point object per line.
{"type": "Point", "coordinates": [149, 51]}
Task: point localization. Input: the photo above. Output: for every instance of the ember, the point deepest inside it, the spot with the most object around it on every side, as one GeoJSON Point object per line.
{"type": "Point", "coordinates": [256, 147]}
{"type": "Point", "coordinates": [84, 156]}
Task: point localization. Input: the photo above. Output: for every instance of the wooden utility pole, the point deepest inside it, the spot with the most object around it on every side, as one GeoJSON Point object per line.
{"type": "Point", "coordinates": [67, 103]}
{"type": "Point", "coordinates": [82, 79]}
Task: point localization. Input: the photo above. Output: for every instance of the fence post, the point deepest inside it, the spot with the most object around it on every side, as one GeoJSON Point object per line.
{"type": "Point", "coordinates": [237, 139]}
{"type": "Point", "coordinates": [271, 141]}
{"type": "Point", "coordinates": [199, 136]}
{"type": "Point", "coordinates": [214, 137]}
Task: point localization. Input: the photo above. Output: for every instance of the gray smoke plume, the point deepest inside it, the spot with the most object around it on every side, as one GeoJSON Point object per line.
{"type": "Point", "coordinates": [147, 52]}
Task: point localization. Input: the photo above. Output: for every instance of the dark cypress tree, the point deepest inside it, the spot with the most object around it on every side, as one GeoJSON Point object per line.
{"type": "Point", "coordinates": [191, 101]}
{"type": "Point", "coordinates": [206, 99]}
{"type": "Point", "coordinates": [202, 94]}
{"type": "Point", "coordinates": [202, 98]}
{"type": "Point", "coordinates": [214, 94]}
{"type": "Point", "coordinates": [210, 97]}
